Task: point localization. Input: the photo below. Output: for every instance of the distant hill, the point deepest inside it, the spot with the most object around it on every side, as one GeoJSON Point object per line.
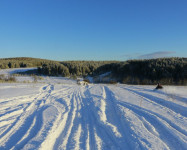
{"type": "Point", "coordinates": [20, 62]}
{"type": "Point", "coordinates": [21, 59]}
{"type": "Point", "coordinates": [150, 71]}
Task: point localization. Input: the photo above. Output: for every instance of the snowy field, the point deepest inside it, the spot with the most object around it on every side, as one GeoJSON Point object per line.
{"type": "Point", "coordinates": [56, 113]}
{"type": "Point", "coordinates": [15, 70]}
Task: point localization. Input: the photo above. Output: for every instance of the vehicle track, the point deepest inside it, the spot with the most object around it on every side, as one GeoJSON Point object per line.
{"type": "Point", "coordinates": [91, 117]}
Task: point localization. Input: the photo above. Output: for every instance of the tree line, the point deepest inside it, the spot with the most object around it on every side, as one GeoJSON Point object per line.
{"type": "Point", "coordinates": [150, 71]}
{"type": "Point", "coordinates": [71, 68]}
{"type": "Point", "coordinates": [22, 62]}
{"type": "Point", "coordinates": [84, 68]}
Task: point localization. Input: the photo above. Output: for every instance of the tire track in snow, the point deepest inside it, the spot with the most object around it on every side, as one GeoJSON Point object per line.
{"type": "Point", "coordinates": [75, 118]}
{"type": "Point", "coordinates": [87, 120]}
{"type": "Point", "coordinates": [128, 139]}
{"type": "Point", "coordinates": [167, 104]}
{"type": "Point", "coordinates": [102, 129]}
{"type": "Point", "coordinates": [75, 136]}
{"type": "Point", "coordinates": [28, 130]}
{"type": "Point", "coordinates": [97, 128]}
{"type": "Point", "coordinates": [163, 128]}
{"type": "Point", "coordinates": [173, 141]}
{"type": "Point", "coordinates": [62, 140]}
{"type": "Point", "coordinates": [57, 100]}
{"type": "Point", "coordinates": [86, 117]}
{"type": "Point", "coordinates": [21, 125]}
{"type": "Point", "coordinates": [60, 101]}
{"type": "Point", "coordinates": [90, 122]}
{"type": "Point", "coordinates": [172, 124]}
{"type": "Point", "coordinates": [173, 96]}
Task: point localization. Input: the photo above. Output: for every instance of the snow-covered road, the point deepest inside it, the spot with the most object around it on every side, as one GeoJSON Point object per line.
{"type": "Point", "coordinates": [69, 116]}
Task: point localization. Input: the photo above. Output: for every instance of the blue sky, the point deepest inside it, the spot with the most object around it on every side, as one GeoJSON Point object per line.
{"type": "Point", "coordinates": [93, 29]}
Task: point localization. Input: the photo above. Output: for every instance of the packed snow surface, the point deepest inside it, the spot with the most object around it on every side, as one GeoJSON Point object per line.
{"type": "Point", "coordinates": [59, 114]}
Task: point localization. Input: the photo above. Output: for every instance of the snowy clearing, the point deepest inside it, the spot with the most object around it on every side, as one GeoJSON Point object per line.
{"type": "Point", "coordinates": [15, 70]}
{"type": "Point", "coordinates": [59, 114]}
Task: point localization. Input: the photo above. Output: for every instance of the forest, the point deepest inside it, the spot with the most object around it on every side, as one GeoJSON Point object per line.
{"type": "Point", "coordinates": [163, 70]}
{"type": "Point", "coordinates": [150, 71]}
{"type": "Point", "coordinates": [22, 62]}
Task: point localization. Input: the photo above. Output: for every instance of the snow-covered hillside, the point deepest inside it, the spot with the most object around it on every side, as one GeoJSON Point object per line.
{"type": "Point", "coordinates": [59, 114]}
{"type": "Point", "coordinates": [15, 70]}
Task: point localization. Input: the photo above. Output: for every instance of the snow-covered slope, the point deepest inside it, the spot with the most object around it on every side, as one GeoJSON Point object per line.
{"type": "Point", "coordinates": [57, 115]}
{"type": "Point", "coordinates": [15, 70]}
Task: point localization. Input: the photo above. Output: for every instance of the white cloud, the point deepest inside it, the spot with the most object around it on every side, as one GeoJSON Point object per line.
{"type": "Point", "coordinates": [159, 54]}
